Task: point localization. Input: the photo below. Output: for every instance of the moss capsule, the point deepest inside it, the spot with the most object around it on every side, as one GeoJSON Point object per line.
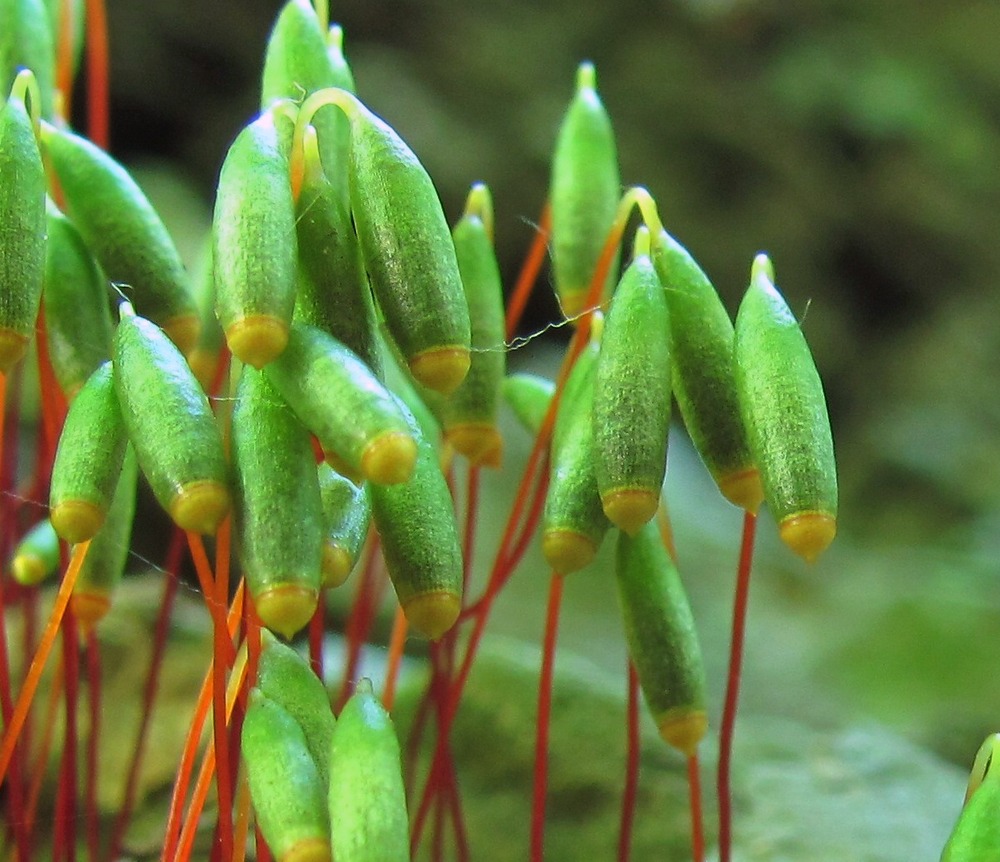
{"type": "Point", "coordinates": [36, 556]}
{"type": "Point", "coordinates": [528, 395]}
{"type": "Point", "coordinates": [785, 413]}
{"type": "Point", "coordinates": [976, 835]}
{"type": "Point", "coordinates": [347, 515]}
{"type": "Point", "coordinates": [27, 42]}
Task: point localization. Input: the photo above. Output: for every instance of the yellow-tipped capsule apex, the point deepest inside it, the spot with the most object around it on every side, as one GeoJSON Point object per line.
{"type": "Point", "coordinates": [77, 520]}
{"type": "Point", "coordinates": [433, 614]}
{"type": "Point", "coordinates": [89, 609]}
{"type": "Point", "coordinates": [567, 551]}
{"type": "Point", "coordinates": [309, 850]}
{"type": "Point", "coordinates": [808, 534]}
{"type": "Point", "coordinates": [683, 729]}
{"type": "Point", "coordinates": [441, 368]}
{"type": "Point", "coordinates": [743, 489]}
{"type": "Point", "coordinates": [630, 508]}
{"type": "Point", "coordinates": [257, 339]}
{"type": "Point", "coordinates": [480, 442]}
{"type": "Point", "coordinates": [183, 331]}
{"type": "Point", "coordinates": [200, 506]}
{"type": "Point", "coordinates": [389, 458]}
{"type": "Point", "coordinates": [335, 565]}
{"type": "Point", "coordinates": [286, 608]}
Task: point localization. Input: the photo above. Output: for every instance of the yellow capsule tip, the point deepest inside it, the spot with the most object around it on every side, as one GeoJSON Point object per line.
{"type": "Point", "coordinates": [683, 728]}
{"type": "Point", "coordinates": [389, 458]}
{"type": "Point", "coordinates": [286, 608]}
{"type": "Point", "coordinates": [13, 346]}
{"type": "Point", "coordinates": [77, 520]}
{"type": "Point", "coordinates": [743, 489]}
{"type": "Point", "coordinates": [441, 368]}
{"type": "Point", "coordinates": [432, 614]}
{"type": "Point", "coordinates": [89, 608]}
{"type": "Point", "coordinates": [200, 506]}
{"type": "Point", "coordinates": [308, 850]}
{"type": "Point", "coordinates": [572, 303]}
{"type": "Point", "coordinates": [480, 442]}
{"type": "Point", "coordinates": [183, 331]}
{"type": "Point", "coordinates": [808, 534]}
{"type": "Point", "coordinates": [567, 551]}
{"type": "Point", "coordinates": [257, 339]}
{"type": "Point", "coordinates": [28, 569]}
{"type": "Point", "coordinates": [630, 508]}
{"type": "Point", "coordinates": [202, 363]}
{"type": "Point", "coordinates": [335, 565]}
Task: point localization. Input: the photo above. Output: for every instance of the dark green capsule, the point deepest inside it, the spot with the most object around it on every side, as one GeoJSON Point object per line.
{"type": "Point", "coordinates": [784, 409]}
{"type": "Point", "coordinates": [347, 515]}
{"type": "Point", "coordinates": [584, 194]}
{"type": "Point", "coordinates": [279, 514]}
{"type": "Point", "coordinates": [36, 556]}
{"type": "Point", "coordinates": [662, 638]}
{"type": "Point", "coordinates": [528, 395]}
{"type": "Point", "coordinates": [704, 380]}
{"type": "Point", "coordinates": [976, 836]}
{"type": "Point", "coordinates": [27, 41]}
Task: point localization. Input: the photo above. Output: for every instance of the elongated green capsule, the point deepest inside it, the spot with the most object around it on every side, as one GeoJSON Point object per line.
{"type": "Point", "coordinates": [36, 556]}
{"type": "Point", "coordinates": [528, 395]}
{"type": "Point", "coordinates": [255, 249]}
{"type": "Point", "coordinates": [573, 522]}
{"type": "Point", "coordinates": [204, 357]}
{"type": "Point", "coordinates": [367, 801]}
{"type": "Point", "coordinates": [416, 523]}
{"type": "Point", "coordinates": [470, 412]}
{"type": "Point", "coordinates": [632, 395]}
{"type": "Point", "coordinates": [171, 425]}
{"type": "Point", "coordinates": [285, 677]}
{"type": "Point", "coordinates": [400, 383]}
{"type": "Point", "coordinates": [124, 232]}
{"type": "Point", "coordinates": [704, 379]}
{"type": "Point", "coordinates": [77, 311]}
{"type": "Point", "coordinates": [333, 292]}
{"type": "Point", "coordinates": [104, 564]}
{"type": "Point", "coordinates": [408, 253]}
{"type": "Point", "coordinates": [347, 515]}
{"type": "Point", "coordinates": [22, 230]}
{"type": "Point", "coordinates": [27, 42]}
{"type": "Point", "coordinates": [88, 459]}
{"type": "Point", "coordinates": [662, 638]}
{"type": "Point", "coordinates": [279, 514]}
{"type": "Point", "coordinates": [976, 836]}
{"type": "Point", "coordinates": [285, 786]}
{"type": "Point", "coordinates": [359, 425]}
{"type": "Point", "coordinates": [784, 409]}
{"type": "Point", "coordinates": [584, 193]}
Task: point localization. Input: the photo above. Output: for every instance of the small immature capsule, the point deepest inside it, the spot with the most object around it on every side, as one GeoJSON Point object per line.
{"type": "Point", "coordinates": [528, 395]}
{"type": "Point", "coordinates": [255, 251]}
{"type": "Point", "coordinates": [662, 638]}
{"type": "Point", "coordinates": [347, 515]}
{"type": "Point", "coordinates": [22, 230]}
{"type": "Point", "coordinates": [36, 556]}
{"type": "Point", "coordinates": [784, 410]}
{"type": "Point", "coordinates": [976, 835]}
{"type": "Point", "coordinates": [585, 191]}
{"type": "Point", "coordinates": [632, 395]}
{"type": "Point", "coordinates": [279, 514]}
{"type": "Point", "coordinates": [416, 523]}
{"type": "Point", "coordinates": [359, 425]}
{"type": "Point", "coordinates": [285, 786]}
{"type": "Point", "coordinates": [704, 380]}
{"type": "Point", "coordinates": [88, 459]}
{"type": "Point", "coordinates": [124, 232]}
{"type": "Point", "coordinates": [27, 42]}
{"type": "Point", "coordinates": [408, 253]}
{"type": "Point", "coordinates": [171, 425]}
{"type": "Point", "coordinates": [367, 801]}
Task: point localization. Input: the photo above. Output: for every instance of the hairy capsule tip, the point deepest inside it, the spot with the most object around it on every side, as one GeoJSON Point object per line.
{"type": "Point", "coordinates": [183, 331]}
{"type": "Point", "coordinates": [567, 551]}
{"type": "Point", "coordinates": [433, 613]}
{"type": "Point", "coordinates": [335, 566]}
{"type": "Point", "coordinates": [480, 442]}
{"type": "Point", "coordinates": [286, 608]}
{"type": "Point", "coordinates": [308, 850]}
{"type": "Point", "coordinates": [77, 520]}
{"type": "Point", "coordinates": [13, 346]}
{"type": "Point", "coordinates": [89, 608]}
{"type": "Point", "coordinates": [743, 489]}
{"type": "Point", "coordinates": [257, 339]}
{"type": "Point", "coordinates": [200, 506]}
{"type": "Point", "coordinates": [28, 569]}
{"type": "Point", "coordinates": [389, 458]}
{"type": "Point", "coordinates": [441, 368]}
{"type": "Point", "coordinates": [808, 534]}
{"type": "Point", "coordinates": [630, 508]}
{"type": "Point", "coordinates": [683, 728]}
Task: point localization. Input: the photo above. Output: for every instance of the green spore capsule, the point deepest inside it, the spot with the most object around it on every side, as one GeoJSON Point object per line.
{"type": "Point", "coordinates": [77, 312]}
{"type": "Point", "coordinates": [27, 42]}
{"type": "Point", "coordinates": [400, 383]}
{"type": "Point", "coordinates": [632, 395]}
{"type": "Point", "coordinates": [408, 252]}
{"type": "Point", "coordinates": [347, 515]}
{"type": "Point", "coordinates": [255, 247]}
{"type": "Point", "coordinates": [285, 677]}
{"type": "Point", "coordinates": [171, 425]}
{"type": "Point", "coordinates": [279, 514]}
{"type": "Point", "coordinates": [285, 786]}
{"type": "Point", "coordinates": [337, 397]}
{"type": "Point", "coordinates": [104, 563]}
{"type": "Point", "coordinates": [470, 412]}
{"type": "Point", "coordinates": [662, 638]}
{"type": "Point", "coordinates": [416, 523]}
{"type": "Point", "coordinates": [976, 835]}
{"type": "Point", "coordinates": [204, 357]}
{"type": "Point", "coordinates": [704, 381]}
{"type": "Point", "coordinates": [584, 193]}
{"type": "Point", "coordinates": [367, 801]}
{"type": "Point", "coordinates": [528, 395]}
{"type": "Point", "coordinates": [333, 292]}
{"type": "Point", "coordinates": [124, 233]}
{"type": "Point", "coordinates": [784, 409]}
{"type": "Point", "coordinates": [22, 229]}
{"type": "Point", "coordinates": [36, 556]}
{"type": "Point", "coordinates": [88, 459]}
{"type": "Point", "coordinates": [573, 522]}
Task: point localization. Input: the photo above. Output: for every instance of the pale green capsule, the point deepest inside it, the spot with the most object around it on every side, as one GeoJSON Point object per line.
{"type": "Point", "coordinates": [528, 395]}
{"type": "Point", "coordinates": [976, 836]}
{"type": "Point", "coordinates": [347, 515]}
{"type": "Point", "coordinates": [36, 556]}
